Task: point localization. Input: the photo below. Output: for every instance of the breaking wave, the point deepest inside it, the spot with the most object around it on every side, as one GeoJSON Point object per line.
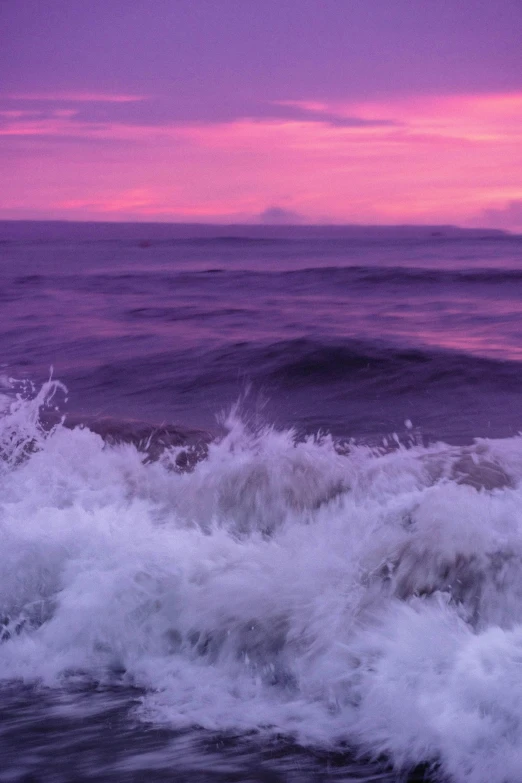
{"type": "Point", "coordinates": [331, 592]}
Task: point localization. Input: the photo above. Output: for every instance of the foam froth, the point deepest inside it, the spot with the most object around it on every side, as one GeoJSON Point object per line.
{"type": "Point", "coordinates": [339, 595]}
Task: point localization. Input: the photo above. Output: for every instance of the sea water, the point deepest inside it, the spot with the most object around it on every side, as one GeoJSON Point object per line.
{"type": "Point", "coordinates": [262, 520]}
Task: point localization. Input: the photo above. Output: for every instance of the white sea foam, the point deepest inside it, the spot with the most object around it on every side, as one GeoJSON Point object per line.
{"type": "Point", "coordinates": [369, 597]}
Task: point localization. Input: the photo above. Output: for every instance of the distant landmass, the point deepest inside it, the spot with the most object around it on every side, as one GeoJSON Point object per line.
{"type": "Point", "coordinates": [55, 230]}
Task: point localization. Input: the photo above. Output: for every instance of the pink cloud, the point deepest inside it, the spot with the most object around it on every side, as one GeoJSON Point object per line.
{"type": "Point", "coordinates": [440, 159]}
{"type": "Point", "coordinates": [471, 117]}
{"type": "Point", "coordinates": [131, 200]}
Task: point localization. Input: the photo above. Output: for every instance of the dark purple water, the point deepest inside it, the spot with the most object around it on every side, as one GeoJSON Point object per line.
{"type": "Point", "coordinates": [265, 522]}
{"type": "Point", "coordinates": [352, 332]}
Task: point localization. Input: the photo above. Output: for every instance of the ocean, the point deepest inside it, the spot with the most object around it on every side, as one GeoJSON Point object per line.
{"type": "Point", "coordinates": [260, 503]}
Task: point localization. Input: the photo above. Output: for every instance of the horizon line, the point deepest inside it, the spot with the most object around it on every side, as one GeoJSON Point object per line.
{"type": "Point", "coordinates": [253, 225]}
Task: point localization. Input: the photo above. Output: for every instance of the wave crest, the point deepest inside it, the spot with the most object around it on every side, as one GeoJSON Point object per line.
{"type": "Point", "coordinates": [333, 592]}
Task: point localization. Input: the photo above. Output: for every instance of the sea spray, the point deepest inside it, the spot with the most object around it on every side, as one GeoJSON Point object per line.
{"type": "Point", "coordinates": [340, 595]}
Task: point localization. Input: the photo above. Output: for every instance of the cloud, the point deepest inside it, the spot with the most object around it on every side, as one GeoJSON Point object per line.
{"type": "Point", "coordinates": [76, 97]}
{"type": "Point", "coordinates": [280, 216]}
{"type": "Point", "coordinates": [509, 216]}
{"type": "Point", "coordinates": [155, 110]}
{"type": "Point", "coordinates": [317, 112]}
{"type": "Point", "coordinates": [447, 159]}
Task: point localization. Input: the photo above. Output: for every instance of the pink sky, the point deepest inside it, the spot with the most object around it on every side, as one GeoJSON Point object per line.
{"type": "Point", "coordinates": [75, 144]}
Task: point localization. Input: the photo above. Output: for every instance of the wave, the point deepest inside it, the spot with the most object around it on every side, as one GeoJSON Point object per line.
{"type": "Point", "coordinates": [405, 275]}
{"type": "Point", "coordinates": [337, 274]}
{"type": "Point", "coordinates": [305, 363]}
{"type": "Point", "coordinates": [333, 593]}
{"type": "Point", "coordinates": [322, 276]}
{"type": "Point", "coordinates": [394, 369]}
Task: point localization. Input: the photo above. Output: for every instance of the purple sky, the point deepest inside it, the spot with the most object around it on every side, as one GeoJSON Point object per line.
{"type": "Point", "coordinates": [241, 96]}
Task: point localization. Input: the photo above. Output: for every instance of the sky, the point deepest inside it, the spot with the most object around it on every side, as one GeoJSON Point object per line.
{"type": "Point", "coordinates": [277, 111]}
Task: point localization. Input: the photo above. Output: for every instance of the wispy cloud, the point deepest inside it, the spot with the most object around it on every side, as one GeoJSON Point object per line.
{"type": "Point", "coordinates": [445, 158]}
{"type": "Point", "coordinates": [467, 117]}
{"type": "Point", "coordinates": [311, 111]}
{"type": "Point", "coordinates": [76, 97]}
{"type": "Point", "coordinates": [127, 201]}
